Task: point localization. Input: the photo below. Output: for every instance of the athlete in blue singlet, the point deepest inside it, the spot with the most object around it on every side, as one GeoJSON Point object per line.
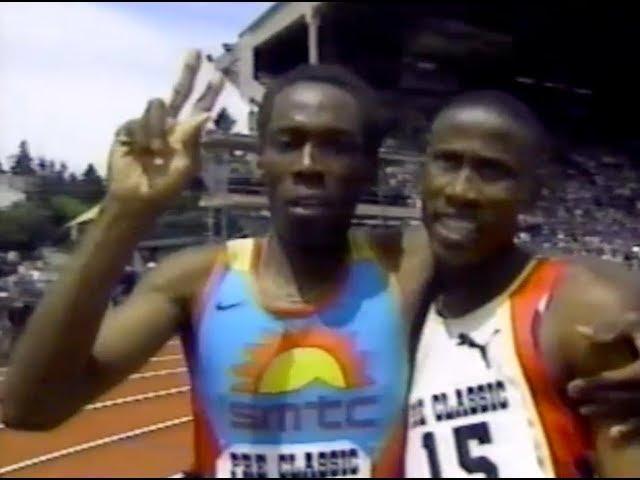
{"type": "Point", "coordinates": [296, 391]}
{"type": "Point", "coordinates": [294, 383]}
{"type": "Point", "coordinates": [295, 342]}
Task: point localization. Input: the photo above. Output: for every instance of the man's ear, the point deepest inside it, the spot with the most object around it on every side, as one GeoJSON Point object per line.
{"type": "Point", "coordinates": [533, 190]}
{"type": "Point", "coordinates": [260, 167]}
{"type": "Point", "coordinates": [428, 138]}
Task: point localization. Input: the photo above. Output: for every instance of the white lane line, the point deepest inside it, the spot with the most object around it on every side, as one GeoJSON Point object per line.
{"type": "Point", "coordinates": [133, 398]}
{"type": "Point", "coordinates": [165, 358]}
{"type": "Point", "coordinates": [157, 373]}
{"type": "Point", "coordinates": [95, 443]}
{"type": "Point", "coordinates": [136, 398]}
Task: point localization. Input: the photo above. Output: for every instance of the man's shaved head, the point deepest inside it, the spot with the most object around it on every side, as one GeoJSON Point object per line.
{"type": "Point", "coordinates": [501, 109]}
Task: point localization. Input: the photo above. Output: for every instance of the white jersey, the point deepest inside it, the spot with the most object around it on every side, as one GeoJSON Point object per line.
{"type": "Point", "coordinates": [471, 411]}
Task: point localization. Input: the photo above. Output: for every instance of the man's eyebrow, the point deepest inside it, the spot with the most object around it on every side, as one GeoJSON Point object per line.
{"type": "Point", "coordinates": [297, 129]}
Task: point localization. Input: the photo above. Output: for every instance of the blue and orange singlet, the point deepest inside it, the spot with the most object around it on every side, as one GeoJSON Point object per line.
{"type": "Point", "coordinates": [297, 394]}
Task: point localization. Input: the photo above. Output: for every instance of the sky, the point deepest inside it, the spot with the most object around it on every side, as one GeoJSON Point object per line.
{"type": "Point", "coordinates": [70, 73]}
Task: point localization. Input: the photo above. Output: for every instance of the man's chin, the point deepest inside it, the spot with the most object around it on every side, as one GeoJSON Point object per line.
{"type": "Point", "coordinates": [317, 231]}
{"type": "Point", "coordinates": [455, 255]}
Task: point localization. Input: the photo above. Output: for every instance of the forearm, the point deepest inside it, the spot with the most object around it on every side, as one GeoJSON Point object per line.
{"type": "Point", "coordinates": [54, 351]}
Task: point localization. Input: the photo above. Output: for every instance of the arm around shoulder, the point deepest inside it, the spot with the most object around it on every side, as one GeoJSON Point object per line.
{"type": "Point", "coordinates": [594, 294]}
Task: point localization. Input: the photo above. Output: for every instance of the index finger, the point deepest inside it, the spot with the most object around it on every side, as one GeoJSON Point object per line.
{"type": "Point", "coordinates": [184, 86]}
{"type": "Point", "coordinates": [626, 378]}
{"type": "Point", "coordinates": [208, 98]}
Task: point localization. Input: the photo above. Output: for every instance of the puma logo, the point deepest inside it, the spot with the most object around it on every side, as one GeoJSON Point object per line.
{"type": "Point", "coordinates": [464, 339]}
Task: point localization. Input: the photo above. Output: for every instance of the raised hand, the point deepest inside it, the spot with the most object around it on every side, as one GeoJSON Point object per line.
{"type": "Point", "coordinates": [154, 156]}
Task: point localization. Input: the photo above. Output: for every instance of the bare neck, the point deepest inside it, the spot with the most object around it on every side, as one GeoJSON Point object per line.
{"type": "Point", "coordinates": [464, 289]}
{"type": "Point", "coordinates": [301, 273]}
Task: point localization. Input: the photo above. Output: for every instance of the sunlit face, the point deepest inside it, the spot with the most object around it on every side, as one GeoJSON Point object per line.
{"type": "Point", "coordinates": [314, 162]}
{"type": "Point", "coordinates": [475, 183]}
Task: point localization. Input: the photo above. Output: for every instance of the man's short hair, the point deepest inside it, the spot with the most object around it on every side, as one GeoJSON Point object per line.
{"type": "Point", "coordinates": [373, 126]}
{"type": "Point", "coordinates": [505, 105]}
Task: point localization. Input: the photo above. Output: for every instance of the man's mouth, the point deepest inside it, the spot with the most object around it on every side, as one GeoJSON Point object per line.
{"type": "Point", "coordinates": [456, 229]}
{"type": "Point", "coordinates": [309, 205]}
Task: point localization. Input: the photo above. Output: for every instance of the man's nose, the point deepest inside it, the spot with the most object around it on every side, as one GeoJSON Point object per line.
{"type": "Point", "coordinates": [464, 186]}
{"type": "Point", "coordinates": [308, 172]}
{"type": "Point", "coordinates": [307, 155]}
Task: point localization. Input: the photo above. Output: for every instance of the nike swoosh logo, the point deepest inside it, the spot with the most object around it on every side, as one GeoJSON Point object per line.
{"type": "Point", "coordinates": [221, 307]}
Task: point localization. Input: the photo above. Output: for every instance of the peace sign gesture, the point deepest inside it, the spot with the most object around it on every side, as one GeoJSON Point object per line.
{"type": "Point", "coordinates": [154, 156]}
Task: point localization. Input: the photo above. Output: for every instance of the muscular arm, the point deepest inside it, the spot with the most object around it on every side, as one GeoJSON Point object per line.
{"type": "Point", "coordinates": [602, 292]}
{"type": "Point", "coordinates": [71, 351]}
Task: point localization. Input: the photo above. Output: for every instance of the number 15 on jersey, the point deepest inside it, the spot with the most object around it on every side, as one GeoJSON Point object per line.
{"type": "Point", "coordinates": [460, 450]}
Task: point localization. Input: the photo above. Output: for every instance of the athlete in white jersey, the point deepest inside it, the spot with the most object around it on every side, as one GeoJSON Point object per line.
{"type": "Point", "coordinates": [501, 336]}
{"type": "Point", "coordinates": [472, 409]}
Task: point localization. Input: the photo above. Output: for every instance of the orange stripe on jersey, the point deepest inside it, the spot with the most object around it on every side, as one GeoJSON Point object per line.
{"type": "Point", "coordinates": [214, 279]}
{"type": "Point", "coordinates": [564, 430]}
{"type": "Point", "coordinates": [391, 461]}
{"type": "Point", "coordinates": [205, 446]}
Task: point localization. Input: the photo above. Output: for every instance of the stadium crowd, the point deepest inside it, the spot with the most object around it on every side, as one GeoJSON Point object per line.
{"type": "Point", "coordinates": [589, 204]}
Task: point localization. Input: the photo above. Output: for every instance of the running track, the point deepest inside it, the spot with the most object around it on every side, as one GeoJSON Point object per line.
{"type": "Point", "coordinates": [141, 428]}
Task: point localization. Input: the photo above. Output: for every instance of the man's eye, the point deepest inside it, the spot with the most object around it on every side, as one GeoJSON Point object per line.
{"type": "Point", "coordinates": [285, 143]}
{"type": "Point", "coordinates": [493, 171]}
{"type": "Point", "coordinates": [446, 161]}
{"type": "Point", "coordinates": [339, 147]}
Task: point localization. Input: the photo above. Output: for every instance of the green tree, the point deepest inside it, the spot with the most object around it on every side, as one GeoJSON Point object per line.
{"type": "Point", "coordinates": [62, 170]}
{"type": "Point", "coordinates": [89, 187]}
{"type": "Point", "coordinates": [65, 208]}
{"type": "Point", "coordinates": [22, 161]}
{"type": "Point", "coordinates": [26, 225]}
{"type": "Point", "coordinates": [90, 174]}
{"type": "Point", "coordinates": [42, 165]}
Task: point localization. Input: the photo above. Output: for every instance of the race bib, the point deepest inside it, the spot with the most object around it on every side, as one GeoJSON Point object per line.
{"type": "Point", "coordinates": [340, 459]}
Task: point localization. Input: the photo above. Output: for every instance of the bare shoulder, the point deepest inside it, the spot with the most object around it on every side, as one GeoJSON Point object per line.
{"type": "Point", "coordinates": [398, 246]}
{"type": "Point", "coordinates": [417, 256]}
{"type": "Point", "coordinates": [595, 293]}
{"type": "Point", "coordinates": [415, 237]}
{"type": "Point", "coordinates": [599, 283]}
{"type": "Point", "coordinates": [413, 264]}
{"type": "Point", "coordinates": [607, 274]}
{"type": "Point", "coordinates": [385, 243]}
{"type": "Point", "coordinates": [183, 273]}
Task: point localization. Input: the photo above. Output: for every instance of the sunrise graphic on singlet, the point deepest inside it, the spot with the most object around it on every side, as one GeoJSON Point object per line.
{"type": "Point", "coordinates": [304, 395]}
{"type": "Point", "coordinates": [294, 360]}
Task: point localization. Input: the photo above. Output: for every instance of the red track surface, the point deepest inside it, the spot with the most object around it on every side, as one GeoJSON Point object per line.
{"type": "Point", "coordinates": [159, 428]}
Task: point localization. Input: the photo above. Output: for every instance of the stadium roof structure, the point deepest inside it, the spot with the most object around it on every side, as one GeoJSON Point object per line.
{"type": "Point", "coordinates": [573, 64]}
